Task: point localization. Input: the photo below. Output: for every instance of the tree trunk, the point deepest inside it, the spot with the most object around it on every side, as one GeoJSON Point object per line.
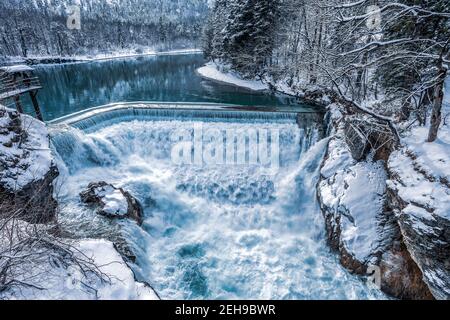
{"type": "Point", "coordinates": [436, 115]}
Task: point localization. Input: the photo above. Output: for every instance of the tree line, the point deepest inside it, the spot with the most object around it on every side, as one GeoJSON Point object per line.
{"type": "Point", "coordinates": [39, 27]}
{"type": "Point", "coordinates": [392, 53]}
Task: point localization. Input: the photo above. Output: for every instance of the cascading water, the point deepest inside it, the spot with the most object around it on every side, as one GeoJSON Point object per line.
{"type": "Point", "coordinates": [211, 231]}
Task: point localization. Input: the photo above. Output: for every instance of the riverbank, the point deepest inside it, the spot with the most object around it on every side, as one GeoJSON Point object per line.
{"type": "Point", "coordinates": [211, 72]}
{"type": "Point", "coordinates": [221, 74]}
{"type": "Point", "coordinates": [36, 60]}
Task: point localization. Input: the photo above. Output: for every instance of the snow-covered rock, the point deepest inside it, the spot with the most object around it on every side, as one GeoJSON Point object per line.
{"type": "Point", "coordinates": [112, 202]}
{"type": "Point", "coordinates": [359, 225]}
{"type": "Point", "coordinates": [27, 167]}
{"type": "Point", "coordinates": [419, 184]}
{"type": "Point", "coordinates": [352, 199]}
{"type": "Point", "coordinates": [123, 285]}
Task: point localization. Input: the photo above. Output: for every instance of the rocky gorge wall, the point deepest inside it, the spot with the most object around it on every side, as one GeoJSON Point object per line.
{"type": "Point", "coordinates": [27, 169]}
{"type": "Point", "coordinates": [365, 197]}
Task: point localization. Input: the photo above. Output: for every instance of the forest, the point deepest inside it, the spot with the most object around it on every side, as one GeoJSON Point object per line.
{"type": "Point", "coordinates": [39, 27]}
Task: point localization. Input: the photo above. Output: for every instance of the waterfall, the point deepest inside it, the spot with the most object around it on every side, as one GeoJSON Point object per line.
{"type": "Point", "coordinates": [215, 231]}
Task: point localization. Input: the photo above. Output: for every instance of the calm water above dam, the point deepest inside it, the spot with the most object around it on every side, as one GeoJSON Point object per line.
{"type": "Point", "coordinates": [70, 88]}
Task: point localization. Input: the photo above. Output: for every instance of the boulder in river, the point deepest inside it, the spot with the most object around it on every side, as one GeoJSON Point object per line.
{"type": "Point", "coordinates": [112, 202]}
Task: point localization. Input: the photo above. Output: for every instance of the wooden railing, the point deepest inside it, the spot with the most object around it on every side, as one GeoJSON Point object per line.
{"type": "Point", "coordinates": [10, 87]}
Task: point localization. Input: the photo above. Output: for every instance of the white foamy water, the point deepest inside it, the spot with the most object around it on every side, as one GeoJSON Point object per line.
{"type": "Point", "coordinates": [215, 232]}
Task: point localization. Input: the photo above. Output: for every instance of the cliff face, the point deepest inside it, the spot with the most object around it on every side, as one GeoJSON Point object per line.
{"type": "Point", "coordinates": [27, 170]}
{"type": "Point", "coordinates": [419, 195]}
{"type": "Point", "coordinates": [361, 211]}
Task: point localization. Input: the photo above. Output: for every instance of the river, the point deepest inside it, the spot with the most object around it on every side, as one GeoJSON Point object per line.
{"type": "Point", "coordinates": [214, 229]}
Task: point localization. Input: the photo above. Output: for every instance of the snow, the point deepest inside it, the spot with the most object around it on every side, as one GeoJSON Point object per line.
{"type": "Point", "coordinates": [115, 202]}
{"type": "Point", "coordinates": [123, 284]}
{"type": "Point", "coordinates": [61, 283]}
{"type": "Point", "coordinates": [210, 71]}
{"type": "Point", "coordinates": [339, 157]}
{"type": "Point", "coordinates": [355, 191]}
{"type": "Point", "coordinates": [16, 68]}
{"type": "Point", "coordinates": [133, 53]}
{"type": "Point", "coordinates": [364, 199]}
{"type": "Point", "coordinates": [433, 158]}
{"type": "Point", "coordinates": [415, 188]}
{"type": "Point", "coordinates": [33, 158]}
{"type": "Point", "coordinates": [423, 170]}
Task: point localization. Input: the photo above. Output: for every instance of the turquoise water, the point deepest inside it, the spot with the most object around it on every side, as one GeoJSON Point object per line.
{"type": "Point", "coordinates": [70, 88]}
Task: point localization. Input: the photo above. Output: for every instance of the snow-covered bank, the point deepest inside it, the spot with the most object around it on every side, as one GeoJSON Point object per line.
{"type": "Point", "coordinates": [27, 168]}
{"type": "Point", "coordinates": [36, 60]}
{"type": "Point", "coordinates": [391, 214]}
{"type": "Point", "coordinates": [37, 261]}
{"type": "Point", "coordinates": [133, 54]}
{"type": "Point", "coordinates": [359, 225]}
{"type": "Point", "coordinates": [420, 182]}
{"type": "Point", "coordinates": [24, 150]}
{"type": "Point", "coordinates": [49, 279]}
{"type": "Point", "coordinates": [211, 71]}
{"type": "Point", "coordinates": [220, 73]}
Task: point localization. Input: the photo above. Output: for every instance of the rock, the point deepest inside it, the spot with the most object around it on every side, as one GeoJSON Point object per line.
{"type": "Point", "coordinates": [361, 222]}
{"type": "Point", "coordinates": [401, 277]}
{"type": "Point", "coordinates": [33, 203]}
{"type": "Point", "coordinates": [364, 134]}
{"type": "Point", "coordinates": [27, 169]}
{"type": "Point", "coordinates": [419, 202]}
{"type": "Point", "coordinates": [112, 202]}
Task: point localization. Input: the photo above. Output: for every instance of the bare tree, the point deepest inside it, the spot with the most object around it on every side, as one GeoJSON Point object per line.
{"type": "Point", "coordinates": [29, 251]}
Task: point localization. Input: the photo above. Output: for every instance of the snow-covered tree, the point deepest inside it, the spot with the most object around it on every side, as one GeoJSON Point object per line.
{"type": "Point", "coordinates": [40, 27]}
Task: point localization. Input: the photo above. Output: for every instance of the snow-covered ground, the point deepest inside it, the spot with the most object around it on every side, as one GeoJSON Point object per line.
{"type": "Point", "coordinates": [57, 282]}
{"type": "Point", "coordinates": [424, 167]}
{"type": "Point", "coordinates": [26, 158]}
{"type": "Point", "coordinates": [211, 71]}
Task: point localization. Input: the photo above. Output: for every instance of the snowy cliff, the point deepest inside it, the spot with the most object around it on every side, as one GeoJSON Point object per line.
{"type": "Point", "coordinates": [391, 217]}
{"type": "Point", "coordinates": [27, 168]}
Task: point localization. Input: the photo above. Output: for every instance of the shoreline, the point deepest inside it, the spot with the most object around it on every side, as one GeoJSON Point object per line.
{"type": "Point", "coordinates": [60, 60]}
{"type": "Point", "coordinates": [210, 72]}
